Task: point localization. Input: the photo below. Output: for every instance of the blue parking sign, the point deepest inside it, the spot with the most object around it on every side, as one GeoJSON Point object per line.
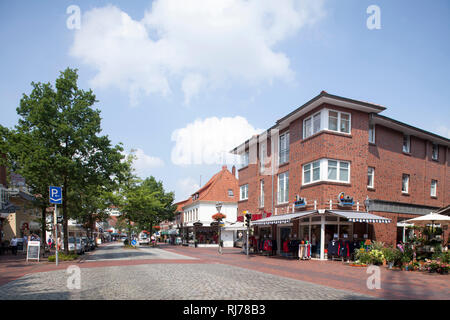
{"type": "Point", "coordinates": [55, 195]}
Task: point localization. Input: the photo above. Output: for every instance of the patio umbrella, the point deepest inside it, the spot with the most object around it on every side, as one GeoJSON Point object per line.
{"type": "Point", "coordinates": [433, 218]}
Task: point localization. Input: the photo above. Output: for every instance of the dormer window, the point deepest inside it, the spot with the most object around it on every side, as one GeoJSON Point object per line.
{"type": "Point", "coordinates": [195, 197]}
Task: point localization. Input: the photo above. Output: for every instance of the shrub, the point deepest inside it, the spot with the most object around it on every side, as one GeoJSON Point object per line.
{"type": "Point", "coordinates": [126, 242]}
{"type": "Point", "coordinates": [377, 245]}
{"type": "Point", "coordinates": [63, 257]}
{"type": "Point", "coordinates": [376, 257]}
{"type": "Point", "coordinates": [390, 254]}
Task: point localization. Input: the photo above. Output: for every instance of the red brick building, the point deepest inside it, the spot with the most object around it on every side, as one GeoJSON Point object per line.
{"type": "Point", "coordinates": [333, 145]}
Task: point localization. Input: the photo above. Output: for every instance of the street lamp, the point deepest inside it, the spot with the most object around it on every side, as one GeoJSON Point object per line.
{"type": "Point", "coordinates": [218, 207]}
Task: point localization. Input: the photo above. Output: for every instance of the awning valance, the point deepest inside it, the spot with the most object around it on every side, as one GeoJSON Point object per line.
{"type": "Point", "coordinates": [282, 218]}
{"type": "Point", "coordinates": [360, 216]}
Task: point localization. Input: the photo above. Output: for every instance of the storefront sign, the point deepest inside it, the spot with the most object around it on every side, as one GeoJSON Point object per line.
{"type": "Point", "coordinates": [300, 203]}
{"type": "Point", "coordinates": [345, 201]}
{"type": "Point", "coordinates": [33, 250]}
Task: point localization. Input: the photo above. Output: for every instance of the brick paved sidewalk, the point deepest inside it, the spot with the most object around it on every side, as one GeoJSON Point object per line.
{"type": "Point", "coordinates": [394, 284]}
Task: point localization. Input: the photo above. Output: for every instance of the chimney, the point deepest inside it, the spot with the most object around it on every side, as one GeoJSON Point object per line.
{"type": "Point", "coordinates": [233, 171]}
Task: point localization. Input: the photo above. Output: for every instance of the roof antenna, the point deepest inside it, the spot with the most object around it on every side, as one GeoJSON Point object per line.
{"type": "Point", "coordinates": [200, 181]}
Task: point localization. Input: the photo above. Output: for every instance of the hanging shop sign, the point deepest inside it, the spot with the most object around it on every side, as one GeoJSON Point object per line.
{"type": "Point", "coordinates": [345, 201]}
{"type": "Point", "coordinates": [299, 202]}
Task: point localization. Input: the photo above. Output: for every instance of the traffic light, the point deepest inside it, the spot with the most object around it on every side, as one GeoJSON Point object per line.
{"type": "Point", "coordinates": [248, 218]}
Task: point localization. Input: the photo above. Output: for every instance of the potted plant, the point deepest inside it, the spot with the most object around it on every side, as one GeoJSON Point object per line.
{"type": "Point", "coordinates": [389, 255]}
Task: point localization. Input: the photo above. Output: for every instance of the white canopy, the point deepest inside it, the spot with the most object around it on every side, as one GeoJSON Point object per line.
{"type": "Point", "coordinates": [431, 217]}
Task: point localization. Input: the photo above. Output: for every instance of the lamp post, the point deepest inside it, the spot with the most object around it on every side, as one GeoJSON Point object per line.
{"type": "Point", "coordinates": [218, 207]}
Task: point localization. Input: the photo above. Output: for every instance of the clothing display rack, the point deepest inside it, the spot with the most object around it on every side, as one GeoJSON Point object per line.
{"type": "Point", "coordinates": [304, 251]}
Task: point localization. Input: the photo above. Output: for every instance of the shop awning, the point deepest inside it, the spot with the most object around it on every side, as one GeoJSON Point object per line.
{"type": "Point", "coordinates": [360, 216]}
{"type": "Point", "coordinates": [282, 218]}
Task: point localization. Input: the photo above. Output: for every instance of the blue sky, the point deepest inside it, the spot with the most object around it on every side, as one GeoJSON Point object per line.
{"type": "Point", "coordinates": [169, 76]}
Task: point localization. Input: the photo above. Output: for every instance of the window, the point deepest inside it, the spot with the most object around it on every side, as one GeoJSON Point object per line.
{"type": "Point", "coordinates": [313, 176]}
{"type": "Point", "coordinates": [230, 193]}
{"type": "Point", "coordinates": [339, 121]}
{"type": "Point", "coordinates": [370, 177]}
{"type": "Point", "coordinates": [371, 133]}
{"type": "Point", "coordinates": [261, 194]}
{"type": "Point", "coordinates": [435, 152]}
{"type": "Point", "coordinates": [244, 160]}
{"type": "Point", "coordinates": [333, 170]}
{"type": "Point", "coordinates": [406, 143]}
{"type": "Point", "coordinates": [244, 192]}
{"type": "Point", "coordinates": [433, 188]}
{"type": "Point", "coordinates": [311, 125]}
{"type": "Point", "coordinates": [283, 187]}
{"type": "Point", "coordinates": [262, 156]}
{"type": "Point", "coordinates": [405, 183]}
{"type": "Point", "coordinates": [338, 171]}
{"type": "Point", "coordinates": [284, 148]}
{"type": "Point", "coordinates": [333, 120]}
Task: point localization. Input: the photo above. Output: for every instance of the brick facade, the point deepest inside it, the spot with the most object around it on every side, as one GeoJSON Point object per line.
{"type": "Point", "coordinates": [385, 156]}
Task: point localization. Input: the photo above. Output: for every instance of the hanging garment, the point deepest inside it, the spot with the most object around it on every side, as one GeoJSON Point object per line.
{"type": "Point", "coordinates": [333, 248]}
{"type": "Point", "coordinates": [286, 246]}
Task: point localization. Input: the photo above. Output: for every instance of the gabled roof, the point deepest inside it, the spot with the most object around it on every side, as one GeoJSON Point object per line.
{"type": "Point", "coordinates": [216, 189]}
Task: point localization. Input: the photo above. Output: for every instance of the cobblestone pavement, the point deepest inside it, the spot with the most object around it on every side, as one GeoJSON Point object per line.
{"type": "Point", "coordinates": [168, 281]}
{"type": "Point", "coordinates": [117, 252]}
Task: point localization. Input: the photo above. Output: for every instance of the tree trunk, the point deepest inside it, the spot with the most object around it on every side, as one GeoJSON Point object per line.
{"type": "Point", "coordinates": [44, 226]}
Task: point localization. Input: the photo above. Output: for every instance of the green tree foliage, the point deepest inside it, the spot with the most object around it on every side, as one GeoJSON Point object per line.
{"type": "Point", "coordinates": [144, 202]}
{"type": "Point", "coordinates": [57, 141]}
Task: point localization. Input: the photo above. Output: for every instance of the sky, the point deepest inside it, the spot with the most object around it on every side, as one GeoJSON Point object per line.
{"type": "Point", "coordinates": [182, 82]}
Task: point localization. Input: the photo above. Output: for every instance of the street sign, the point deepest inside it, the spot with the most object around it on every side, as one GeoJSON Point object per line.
{"type": "Point", "coordinates": [133, 242]}
{"type": "Point", "coordinates": [55, 195]}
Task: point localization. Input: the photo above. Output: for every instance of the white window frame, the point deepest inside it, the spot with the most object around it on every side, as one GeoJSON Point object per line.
{"type": "Point", "coordinates": [405, 175]}
{"type": "Point", "coordinates": [283, 153]}
{"type": "Point", "coordinates": [372, 133]}
{"type": "Point", "coordinates": [408, 143]}
{"type": "Point", "coordinates": [371, 173]}
{"type": "Point", "coordinates": [262, 157]}
{"type": "Point", "coordinates": [283, 198]}
{"type": "Point", "coordinates": [435, 183]}
{"type": "Point", "coordinates": [433, 146]}
{"type": "Point", "coordinates": [339, 120]}
{"type": "Point", "coordinates": [261, 193]}
{"type": "Point", "coordinates": [313, 127]}
{"type": "Point", "coordinates": [245, 158]}
{"type": "Point", "coordinates": [245, 189]}
{"type": "Point", "coordinates": [232, 193]}
{"type": "Point", "coordinates": [323, 171]}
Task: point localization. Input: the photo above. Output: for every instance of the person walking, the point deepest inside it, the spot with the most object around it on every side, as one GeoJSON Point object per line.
{"type": "Point", "coordinates": [14, 245]}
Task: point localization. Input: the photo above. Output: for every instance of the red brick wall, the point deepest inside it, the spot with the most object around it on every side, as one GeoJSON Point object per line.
{"type": "Point", "coordinates": [385, 156]}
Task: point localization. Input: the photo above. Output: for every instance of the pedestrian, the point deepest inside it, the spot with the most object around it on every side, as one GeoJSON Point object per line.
{"type": "Point", "coordinates": [14, 245]}
{"type": "Point", "coordinates": [25, 242]}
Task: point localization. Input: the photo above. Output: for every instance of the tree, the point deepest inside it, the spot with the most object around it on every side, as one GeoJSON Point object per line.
{"type": "Point", "coordinates": [57, 142]}
{"type": "Point", "coordinates": [144, 202]}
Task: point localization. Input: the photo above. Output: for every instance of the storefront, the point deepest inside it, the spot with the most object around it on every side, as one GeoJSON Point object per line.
{"type": "Point", "coordinates": [320, 228]}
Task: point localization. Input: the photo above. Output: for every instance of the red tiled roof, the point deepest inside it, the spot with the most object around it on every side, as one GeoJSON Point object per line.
{"type": "Point", "coordinates": [216, 189]}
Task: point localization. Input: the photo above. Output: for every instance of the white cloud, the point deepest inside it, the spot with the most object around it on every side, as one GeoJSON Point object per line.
{"type": "Point", "coordinates": [144, 164]}
{"type": "Point", "coordinates": [186, 187]}
{"type": "Point", "coordinates": [209, 141]}
{"type": "Point", "coordinates": [201, 43]}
